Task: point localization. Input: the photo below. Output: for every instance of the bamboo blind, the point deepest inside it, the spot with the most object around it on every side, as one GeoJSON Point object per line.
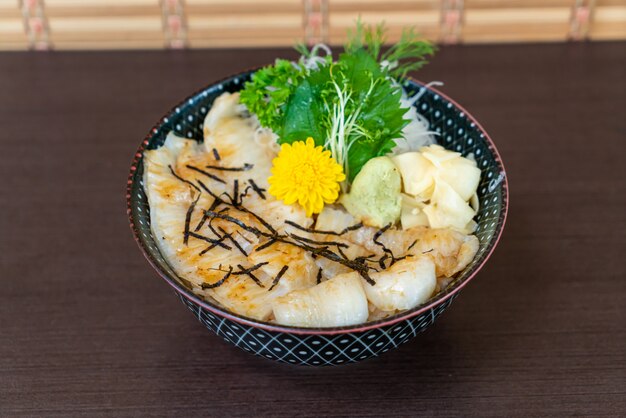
{"type": "Point", "coordinates": [115, 24]}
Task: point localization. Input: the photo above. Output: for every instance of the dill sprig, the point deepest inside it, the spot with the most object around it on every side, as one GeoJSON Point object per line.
{"type": "Point", "coordinates": [408, 54]}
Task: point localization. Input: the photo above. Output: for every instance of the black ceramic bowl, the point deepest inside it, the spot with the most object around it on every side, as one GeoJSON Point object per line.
{"type": "Point", "coordinates": [327, 346]}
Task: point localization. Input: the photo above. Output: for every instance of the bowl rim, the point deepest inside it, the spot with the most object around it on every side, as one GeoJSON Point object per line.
{"type": "Point", "coordinates": [219, 311]}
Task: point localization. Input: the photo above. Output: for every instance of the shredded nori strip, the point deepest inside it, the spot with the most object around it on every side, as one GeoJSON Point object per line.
{"type": "Point", "coordinates": [378, 234]}
{"type": "Point", "coordinates": [257, 217]}
{"type": "Point", "coordinates": [318, 231]}
{"type": "Point", "coordinates": [217, 242]}
{"type": "Point", "coordinates": [201, 223]}
{"type": "Point", "coordinates": [214, 231]}
{"type": "Point", "coordinates": [241, 208]}
{"type": "Point", "coordinates": [428, 251]}
{"type": "Point", "coordinates": [244, 194]}
{"type": "Point", "coordinates": [237, 205]}
{"type": "Point", "coordinates": [206, 189]}
{"type": "Point", "coordinates": [278, 277]}
{"type": "Point", "coordinates": [188, 219]}
{"type": "Point", "coordinates": [255, 231]}
{"type": "Point", "coordinates": [395, 260]}
{"type": "Point", "coordinates": [219, 282]}
{"type": "Point", "coordinates": [213, 176]}
{"type": "Point", "coordinates": [361, 268]}
{"type": "Point", "coordinates": [216, 154]}
{"type": "Point", "coordinates": [245, 167]}
{"type": "Point", "coordinates": [348, 229]}
{"type": "Point", "coordinates": [318, 250]}
{"type": "Point", "coordinates": [207, 249]}
{"type": "Point", "coordinates": [412, 245]}
{"type": "Point", "coordinates": [219, 268]}
{"type": "Point", "coordinates": [244, 237]}
{"type": "Point", "coordinates": [233, 200]}
{"type": "Point", "coordinates": [319, 276]}
{"type": "Point", "coordinates": [248, 271]}
{"type": "Point", "coordinates": [341, 253]}
{"type": "Point", "coordinates": [182, 179]}
{"type": "Point", "coordinates": [236, 193]}
{"type": "Point", "coordinates": [210, 247]}
{"type": "Point", "coordinates": [265, 245]}
{"type": "Point", "coordinates": [381, 262]}
{"type": "Point", "coordinates": [364, 258]}
{"type": "Point", "coordinates": [210, 225]}
{"type": "Point", "coordinates": [239, 247]}
{"type": "Point", "coordinates": [234, 241]}
{"type": "Point", "coordinates": [257, 189]}
{"type": "Point", "coordinates": [213, 206]}
{"type": "Point", "coordinates": [312, 241]}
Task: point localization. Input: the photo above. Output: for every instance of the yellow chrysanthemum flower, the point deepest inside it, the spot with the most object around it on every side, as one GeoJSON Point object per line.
{"type": "Point", "coordinates": [305, 174]}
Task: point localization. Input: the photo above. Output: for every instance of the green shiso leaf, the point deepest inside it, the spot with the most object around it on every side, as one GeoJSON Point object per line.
{"type": "Point", "coordinates": [305, 114]}
{"type": "Point", "coordinates": [375, 99]}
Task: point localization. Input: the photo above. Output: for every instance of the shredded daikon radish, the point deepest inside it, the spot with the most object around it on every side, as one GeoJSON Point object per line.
{"type": "Point", "coordinates": [417, 132]}
{"type": "Point", "coordinates": [313, 61]}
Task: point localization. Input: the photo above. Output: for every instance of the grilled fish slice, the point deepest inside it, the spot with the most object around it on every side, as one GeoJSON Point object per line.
{"type": "Point", "coordinates": [170, 200]}
{"type": "Point", "coordinates": [335, 302]}
{"type": "Point", "coordinates": [172, 177]}
{"type": "Point", "coordinates": [300, 272]}
{"type": "Point", "coordinates": [451, 250]}
{"type": "Point", "coordinates": [404, 285]}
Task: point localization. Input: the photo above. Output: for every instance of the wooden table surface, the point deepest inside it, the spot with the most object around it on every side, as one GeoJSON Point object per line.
{"type": "Point", "coordinates": [87, 328]}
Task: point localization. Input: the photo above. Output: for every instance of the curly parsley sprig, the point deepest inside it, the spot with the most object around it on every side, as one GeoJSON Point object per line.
{"type": "Point", "coordinates": [270, 89]}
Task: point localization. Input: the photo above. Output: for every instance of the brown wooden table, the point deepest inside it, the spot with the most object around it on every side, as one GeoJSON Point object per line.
{"type": "Point", "coordinates": [87, 328]}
